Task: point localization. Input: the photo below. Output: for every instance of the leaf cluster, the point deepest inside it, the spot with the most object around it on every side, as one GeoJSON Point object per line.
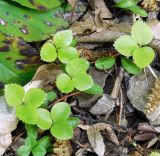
{"type": "Point", "coordinates": [135, 55]}
{"type": "Point", "coordinates": [75, 76]}
{"type": "Point", "coordinates": [132, 6]}
{"type": "Point", "coordinates": [32, 145]}
{"type": "Point", "coordinates": [28, 110]}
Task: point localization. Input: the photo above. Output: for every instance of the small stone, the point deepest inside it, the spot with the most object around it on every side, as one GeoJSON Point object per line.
{"type": "Point", "coordinates": [104, 105]}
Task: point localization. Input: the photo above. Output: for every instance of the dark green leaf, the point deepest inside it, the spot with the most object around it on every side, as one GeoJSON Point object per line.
{"type": "Point", "coordinates": [129, 66]}
{"type": "Point", "coordinates": [105, 62]}
{"type": "Point", "coordinates": [96, 89]}
{"type": "Point", "coordinates": [73, 121]}
{"type": "Point", "coordinates": [40, 4]}
{"type": "Point", "coordinates": [138, 10]}
{"type": "Point", "coordinates": [39, 151]}
{"type": "Point", "coordinates": [29, 24]}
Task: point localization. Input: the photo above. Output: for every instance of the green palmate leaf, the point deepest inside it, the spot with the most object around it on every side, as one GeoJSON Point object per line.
{"type": "Point", "coordinates": [129, 66]}
{"type": "Point", "coordinates": [137, 10]}
{"type": "Point", "coordinates": [95, 89]}
{"type": "Point", "coordinates": [60, 112]}
{"type": "Point", "coordinates": [27, 114]}
{"type": "Point", "coordinates": [48, 52]}
{"type": "Point", "coordinates": [143, 56]}
{"type": "Point", "coordinates": [50, 96]}
{"type": "Point", "coordinates": [23, 151]}
{"type": "Point", "coordinates": [29, 24]}
{"type": "Point", "coordinates": [40, 4]}
{"type": "Point", "coordinates": [141, 36]}
{"type": "Point", "coordinates": [64, 83]}
{"type": "Point", "coordinates": [105, 62]}
{"type": "Point", "coordinates": [62, 130]}
{"type": "Point", "coordinates": [44, 120]}
{"type": "Point", "coordinates": [14, 94]}
{"type": "Point", "coordinates": [31, 131]}
{"type": "Point", "coordinates": [77, 65]}
{"type": "Point", "coordinates": [44, 142]}
{"type": "Point", "coordinates": [39, 151]}
{"type": "Point", "coordinates": [125, 3]}
{"type": "Point", "coordinates": [125, 45]}
{"type": "Point", "coordinates": [34, 97]}
{"type": "Point", "coordinates": [66, 54]}
{"type": "Point", "coordinates": [18, 60]}
{"type": "Point", "coordinates": [82, 81]}
{"type": "Point", "coordinates": [73, 121]}
{"type": "Point", "coordinates": [63, 38]}
{"type": "Point", "coordinates": [30, 142]}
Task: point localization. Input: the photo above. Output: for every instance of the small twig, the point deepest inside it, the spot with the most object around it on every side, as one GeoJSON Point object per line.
{"type": "Point", "coordinates": [64, 98]}
{"type": "Point", "coordinates": [152, 71]}
{"type": "Point", "coordinates": [120, 107]}
{"type": "Point", "coordinates": [117, 84]}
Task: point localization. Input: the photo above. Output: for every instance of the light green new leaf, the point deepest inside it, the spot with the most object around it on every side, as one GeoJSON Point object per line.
{"type": "Point", "coordinates": [14, 94]}
{"type": "Point", "coordinates": [27, 114]}
{"type": "Point", "coordinates": [154, 154]}
{"type": "Point", "coordinates": [23, 151]}
{"type": "Point", "coordinates": [62, 130]}
{"type": "Point", "coordinates": [125, 45]}
{"type": "Point", "coordinates": [129, 66]}
{"type": "Point", "coordinates": [39, 151]}
{"type": "Point", "coordinates": [66, 54]}
{"type": "Point", "coordinates": [138, 10]}
{"type": "Point", "coordinates": [82, 81]}
{"type": "Point", "coordinates": [63, 38]}
{"type": "Point", "coordinates": [73, 121]}
{"type": "Point", "coordinates": [34, 97]}
{"type": "Point", "coordinates": [96, 89]}
{"type": "Point", "coordinates": [77, 65]}
{"type": "Point", "coordinates": [44, 142]}
{"type": "Point", "coordinates": [60, 112]}
{"type": "Point", "coordinates": [44, 120]}
{"type": "Point", "coordinates": [141, 33]}
{"type": "Point", "coordinates": [64, 83]}
{"type": "Point", "coordinates": [32, 131]}
{"type": "Point", "coordinates": [143, 56]}
{"type": "Point", "coordinates": [30, 142]}
{"type": "Point", "coordinates": [29, 24]}
{"type": "Point", "coordinates": [105, 62]}
{"type": "Point", "coordinates": [48, 52]}
{"type": "Point", "coordinates": [40, 4]}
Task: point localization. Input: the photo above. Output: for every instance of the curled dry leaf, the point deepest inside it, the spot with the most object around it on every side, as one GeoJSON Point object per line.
{"type": "Point", "coordinates": [62, 148]}
{"type": "Point", "coordinates": [102, 126]}
{"type": "Point", "coordinates": [96, 140]}
{"type": "Point", "coordinates": [150, 5]}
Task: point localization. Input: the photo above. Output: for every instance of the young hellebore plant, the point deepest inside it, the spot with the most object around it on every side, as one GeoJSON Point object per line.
{"type": "Point", "coordinates": [136, 55]}
{"type": "Point", "coordinates": [27, 106]}
{"type": "Point", "coordinates": [75, 76]}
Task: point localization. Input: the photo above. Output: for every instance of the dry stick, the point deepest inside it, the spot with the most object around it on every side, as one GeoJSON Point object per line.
{"type": "Point", "coordinates": [152, 71]}
{"type": "Point", "coordinates": [120, 106]}
{"type": "Point", "coordinates": [64, 97]}
{"type": "Point", "coordinates": [117, 84]}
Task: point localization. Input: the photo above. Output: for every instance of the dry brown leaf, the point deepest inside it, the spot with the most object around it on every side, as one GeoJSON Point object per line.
{"type": "Point", "coordinates": [96, 141]}
{"type": "Point", "coordinates": [62, 148]}
{"type": "Point", "coordinates": [150, 5]}
{"type": "Point", "coordinates": [102, 126]}
{"type": "Point", "coordinates": [72, 2]}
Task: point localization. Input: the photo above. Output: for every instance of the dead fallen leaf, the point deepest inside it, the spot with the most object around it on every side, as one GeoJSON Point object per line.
{"type": "Point", "coordinates": [102, 126]}
{"type": "Point", "coordinates": [96, 141]}
{"type": "Point", "coordinates": [72, 2]}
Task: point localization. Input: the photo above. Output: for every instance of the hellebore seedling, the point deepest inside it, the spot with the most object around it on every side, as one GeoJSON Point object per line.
{"type": "Point", "coordinates": [75, 76]}
{"type": "Point", "coordinates": [28, 110]}
{"type": "Point", "coordinates": [134, 48]}
{"type": "Point", "coordinates": [32, 145]}
{"type": "Point", "coordinates": [132, 6]}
